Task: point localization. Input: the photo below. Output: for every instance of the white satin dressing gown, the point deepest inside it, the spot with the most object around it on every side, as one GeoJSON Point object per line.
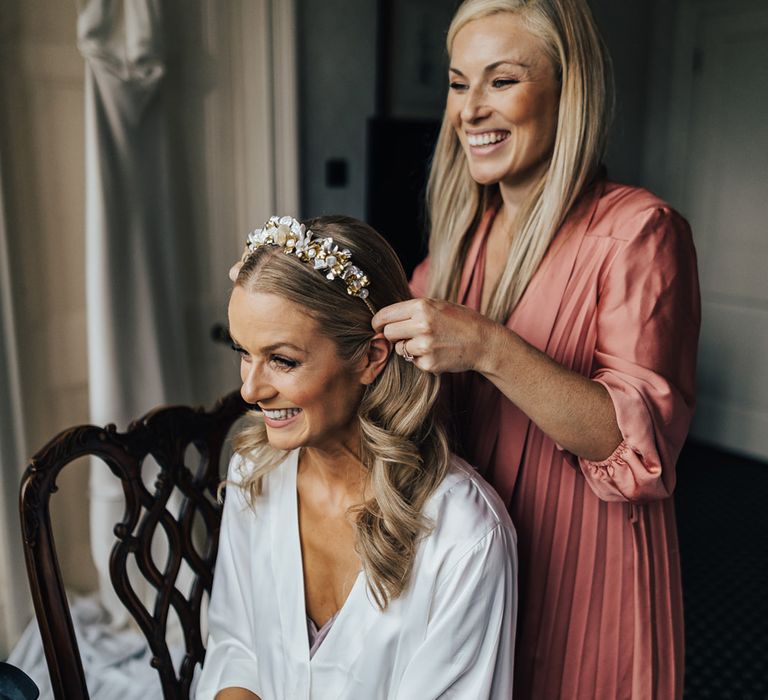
{"type": "Point", "coordinates": [450, 635]}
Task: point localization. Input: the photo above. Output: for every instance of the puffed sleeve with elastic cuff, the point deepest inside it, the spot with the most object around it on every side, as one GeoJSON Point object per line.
{"type": "Point", "coordinates": [648, 318]}
{"type": "Point", "coordinates": [229, 659]}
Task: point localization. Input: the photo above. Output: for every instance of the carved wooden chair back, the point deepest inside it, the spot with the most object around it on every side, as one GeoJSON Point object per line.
{"type": "Point", "coordinates": [166, 434]}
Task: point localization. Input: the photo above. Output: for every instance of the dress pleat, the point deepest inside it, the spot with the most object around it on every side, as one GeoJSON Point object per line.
{"type": "Point", "coordinates": [601, 614]}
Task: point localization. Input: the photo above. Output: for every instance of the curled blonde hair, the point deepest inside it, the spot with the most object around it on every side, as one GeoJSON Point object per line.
{"type": "Point", "coordinates": [456, 202]}
{"type": "Point", "coordinates": [402, 444]}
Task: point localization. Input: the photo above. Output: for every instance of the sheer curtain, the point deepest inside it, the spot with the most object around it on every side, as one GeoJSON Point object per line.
{"type": "Point", "coordinates": [136, 335]}
{"type": "Point", "coordinates": [14, 600]}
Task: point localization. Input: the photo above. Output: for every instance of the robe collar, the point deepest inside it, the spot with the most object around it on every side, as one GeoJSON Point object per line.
{"type": "Point", "coordinates": [332, 663]}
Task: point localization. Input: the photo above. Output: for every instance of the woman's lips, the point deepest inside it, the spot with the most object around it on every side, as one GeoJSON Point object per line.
{"type": "Point", "coordinates": [486, 143]}
{"type": "Point", "coordinates": [487, 138]}
{"type": "Point", "coordinates": [281, 417]}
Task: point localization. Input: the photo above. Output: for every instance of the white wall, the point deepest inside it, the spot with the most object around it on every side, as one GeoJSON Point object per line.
{"type": "Point", "coordinates": [707, 149]}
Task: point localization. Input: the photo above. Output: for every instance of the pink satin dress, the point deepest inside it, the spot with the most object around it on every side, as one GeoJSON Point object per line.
{"type": "Point", "coordinates": [616, 299]}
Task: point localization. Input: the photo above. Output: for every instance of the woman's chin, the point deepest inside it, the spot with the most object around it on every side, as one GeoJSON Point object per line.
{"type": "Point", "coordinates": [286, 438]}
{"type": "Point", "coordinates": [285, 445]}
{"type": "Point", "coordinates": [483, 176]}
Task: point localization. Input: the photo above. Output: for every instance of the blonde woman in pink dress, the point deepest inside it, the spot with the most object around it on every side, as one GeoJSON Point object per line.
{"type": "Point", "coordinates": [563, 311]}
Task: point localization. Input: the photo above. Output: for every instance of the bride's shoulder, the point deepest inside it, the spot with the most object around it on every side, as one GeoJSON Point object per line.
{"type": "Point", "coordinates": [466, 500]}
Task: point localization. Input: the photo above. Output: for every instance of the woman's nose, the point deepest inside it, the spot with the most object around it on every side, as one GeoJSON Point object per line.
{"type": "Point", "coordinates": [255, 388]}
{"type": "Point", "coordinates": [474, 107]}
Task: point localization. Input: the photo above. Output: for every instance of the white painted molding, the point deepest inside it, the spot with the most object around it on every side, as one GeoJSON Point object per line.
{"type": "Point", "coordinates": [252, 97]}
{"type": "Point", "coordinates": [266, 106]}
{"type": "Point", "coordinates": [732, 411]}
{"type": "Point", "coordinates": [14, 603]}
{"type": "Point", "coordinates": [673, 158]}
{"type": "Point", "coordinates": [286, 108]}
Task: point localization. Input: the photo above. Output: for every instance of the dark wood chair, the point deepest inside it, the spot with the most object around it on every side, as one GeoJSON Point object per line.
{"type": "Point", "coordinates": [173, 436]}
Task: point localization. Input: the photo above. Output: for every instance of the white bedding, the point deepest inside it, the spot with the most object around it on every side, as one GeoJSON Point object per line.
{"type": "Point", "coordinates": [116, 662]}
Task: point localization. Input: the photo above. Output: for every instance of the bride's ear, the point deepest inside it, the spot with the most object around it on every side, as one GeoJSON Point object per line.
{"type": "Point", "coordinates": [376, 358]}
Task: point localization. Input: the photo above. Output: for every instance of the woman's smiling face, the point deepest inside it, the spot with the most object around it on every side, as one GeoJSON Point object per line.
{"type": "Point", "coordinates": [309, 395]}
{"type": "Point", "coordinates": [503, 100]}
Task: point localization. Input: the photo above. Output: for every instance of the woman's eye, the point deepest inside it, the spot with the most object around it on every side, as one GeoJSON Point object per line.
{"type": "Point", "coordinates": [283, 362]}
{"type": "Point", "coordinates": [454, 85]}
{"type": "Point", "coordinates": [244, 354]}
{"type": "Point", "coordinates": [504, 82]}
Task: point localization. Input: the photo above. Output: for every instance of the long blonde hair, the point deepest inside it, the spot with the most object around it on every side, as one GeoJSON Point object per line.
{"type": "Point", "coordinates": [456, 202]}
{"type": "Point", "coordinates": [402, 444]}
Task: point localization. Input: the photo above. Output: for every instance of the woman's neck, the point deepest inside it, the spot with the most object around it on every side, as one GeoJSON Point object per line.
{"type": "Point", "coordinates": [337, 470]}
{"type": "Point", "coordinates": [511, 201]}
{"type": "Point", "coordinates": [515, 193]}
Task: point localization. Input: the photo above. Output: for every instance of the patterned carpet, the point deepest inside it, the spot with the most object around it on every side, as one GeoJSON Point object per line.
{"type": "Point", "coordinates": [722, 511]}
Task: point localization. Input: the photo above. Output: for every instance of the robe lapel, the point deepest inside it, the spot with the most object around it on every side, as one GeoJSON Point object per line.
{"type": "Point", "coordinates": [327, 673]}
{"type": "Point", "coordinates": [333, 663]}
{"type": "Point", "coordinates": [474, 400]}
{"type": "Point", "coordinates": [289, 575]}
{"type": "Point", "coordinates": [534, 320]}
{"type": "Point", "coordinates": [474, 250]}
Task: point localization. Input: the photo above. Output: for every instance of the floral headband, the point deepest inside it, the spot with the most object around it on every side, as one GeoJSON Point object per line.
{"type": "Point", "coordinates": [322, 253]}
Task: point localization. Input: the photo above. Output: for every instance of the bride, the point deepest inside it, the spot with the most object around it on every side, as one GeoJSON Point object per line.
{"type": "Point", "coordinates": [358, 558]}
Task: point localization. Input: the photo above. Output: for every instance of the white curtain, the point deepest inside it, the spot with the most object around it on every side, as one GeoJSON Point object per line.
{"type": "Point", "coordinates": [15, 607]}
{"type": "Point", "coordinates": [136, 332]}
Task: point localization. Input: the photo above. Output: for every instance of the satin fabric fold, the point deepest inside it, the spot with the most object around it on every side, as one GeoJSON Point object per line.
{"type": "Point", "coordinates": [451, 632]}
{"type": "Point", "coordinates": [616, 299]}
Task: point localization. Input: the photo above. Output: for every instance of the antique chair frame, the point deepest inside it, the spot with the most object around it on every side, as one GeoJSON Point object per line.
{"type": "Point", "coordinates": [165, 434]}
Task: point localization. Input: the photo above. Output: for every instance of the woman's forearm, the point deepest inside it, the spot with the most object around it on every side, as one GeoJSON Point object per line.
{"type": "Point", "coordinates": [440, 336]}
{"type": "Point", "coordinates": [576, 412]}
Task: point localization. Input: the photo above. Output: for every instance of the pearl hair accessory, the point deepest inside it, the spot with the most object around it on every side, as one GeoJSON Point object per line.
{"type": "Point", "coordinates": [322, 253]}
